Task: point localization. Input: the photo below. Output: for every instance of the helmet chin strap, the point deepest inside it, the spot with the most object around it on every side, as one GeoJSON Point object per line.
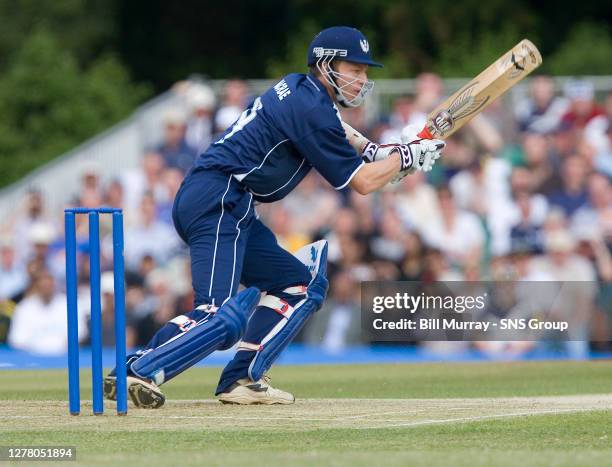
{"type": "Point", "coordinates": [333, 78]}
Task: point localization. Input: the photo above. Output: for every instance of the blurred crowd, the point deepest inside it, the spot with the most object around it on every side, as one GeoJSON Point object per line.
{"type": "Point", "coordinates": [523, 193]}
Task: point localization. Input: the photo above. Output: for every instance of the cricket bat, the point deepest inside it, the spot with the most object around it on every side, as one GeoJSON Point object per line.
{"type": "Point", "coordinates": [474, 97]}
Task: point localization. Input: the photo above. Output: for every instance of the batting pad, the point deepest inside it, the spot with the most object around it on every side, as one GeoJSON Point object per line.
{"type": "Point", "coordinates": [221, 331]}
{"type": "Point", "coordinates": [314, 256]}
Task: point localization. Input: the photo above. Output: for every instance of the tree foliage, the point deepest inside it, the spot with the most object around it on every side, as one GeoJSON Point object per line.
{"type": "Point", "coordinates": [85, 28]}
{"type": "Point", "coordinates": [50, 104]}
{"type": "Point", "coordinates": [586, 50]}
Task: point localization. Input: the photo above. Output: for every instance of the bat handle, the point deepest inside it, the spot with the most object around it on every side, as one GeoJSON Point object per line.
{"type": "Point", "coordinates": [425, 133]}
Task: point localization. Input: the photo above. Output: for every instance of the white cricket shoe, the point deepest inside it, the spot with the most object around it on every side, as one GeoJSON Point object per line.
{"type": "Point", "coordinates": [246, 392]}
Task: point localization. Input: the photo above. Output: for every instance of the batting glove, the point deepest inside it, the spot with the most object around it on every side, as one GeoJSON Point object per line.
{"type": "Point", "coordinates": [417, 153]}
{"type": "Point", "coordinates": [373, 152]}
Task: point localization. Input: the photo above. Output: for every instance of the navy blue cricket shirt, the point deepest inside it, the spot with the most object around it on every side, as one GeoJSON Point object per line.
{"type": "Point", "coordinates": [291, 128]}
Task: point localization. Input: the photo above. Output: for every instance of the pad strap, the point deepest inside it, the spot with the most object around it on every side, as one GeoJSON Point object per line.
{"type": "Point", "coordinates": [277, 304]}
{"type": "Point", "coordinates": [248, 346]}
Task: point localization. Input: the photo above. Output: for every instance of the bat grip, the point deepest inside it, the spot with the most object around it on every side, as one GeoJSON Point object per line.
{"type": "Point", "coordinates": [425, 133]}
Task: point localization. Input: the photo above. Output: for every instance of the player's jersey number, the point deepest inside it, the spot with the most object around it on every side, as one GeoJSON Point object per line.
{"type": "Point", "coordinates": [246, 116]}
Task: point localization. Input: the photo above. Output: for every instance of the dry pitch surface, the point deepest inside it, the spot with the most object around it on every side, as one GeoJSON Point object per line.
{"type": "Point", "coordinates": [307, 414]}
{"type": "Point", "coordinates": [480, 414]}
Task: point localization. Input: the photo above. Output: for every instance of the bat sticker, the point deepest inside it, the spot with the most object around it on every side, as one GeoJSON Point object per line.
{"type": "Point", "coordinates": [464, 105]}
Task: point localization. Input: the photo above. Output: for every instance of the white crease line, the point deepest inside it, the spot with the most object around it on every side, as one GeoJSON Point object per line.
{"type": "Point", "coordinates": [466, 403]}
{"type": "Point", "coordinates": [237, 417]}
{"type": "Point", "coordinates": [338, 419]}
{"type": "Point", "coordinates": [220, 417]}
{"type": "Point", "coordinates": [378, 414]}
{"type": "Point", "coordinates": [480, 417]}
{"type": "Point", "coordinates": [12, 417]}
{"type": "Point", "coordinates": [296, 418]}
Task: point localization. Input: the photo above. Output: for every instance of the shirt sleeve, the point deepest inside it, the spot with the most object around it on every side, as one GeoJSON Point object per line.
{"type": "Point", "coordinates": [328, 150]}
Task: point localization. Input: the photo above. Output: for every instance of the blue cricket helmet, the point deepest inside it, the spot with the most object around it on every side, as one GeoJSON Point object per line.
{"type": "Point", "coordinates": [344, 43]}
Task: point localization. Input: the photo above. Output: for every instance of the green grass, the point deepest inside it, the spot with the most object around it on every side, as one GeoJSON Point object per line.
{"type": "Point", "coordinates": [343, 417]}
{"type": "Point", "coordinates": [500, 379]}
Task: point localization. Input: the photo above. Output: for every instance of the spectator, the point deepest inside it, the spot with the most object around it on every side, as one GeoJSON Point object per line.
{"type": "Point", "coordinates": [353, 259]}
{"type": "Point", "coordinates": [107, 290]}
{"type": "Point", "coordinates": [458, 233]}
{"type": "Point", "coordinates": [594, 249]}
{"type": "Point", "coordinates": [171, 182]}
{"type": "Point", "coordinates": [344, 226]}
{"type": "Point", "coordinates": [7, 308]}
{"type": "Point", "coordinates": [13, 275]}
{"type": "Point", "coordinates": [33, 268]}
{"type": "Point", "coordinates": [436, 267]}
{"type": "Point", "coordinates": [603, 158]}
{"type": "Point", "coordinates": [280, 223]}
{"type": "Point", "coordinates": [530, 211]}
{"type": "Point", "coordinates": [339, 324]}
{"type": "Point", "coordinates": [149, 237]}
{"type": "Point", "coordinates": [311, 196]}
{"type": "Point", "coordinates": [412, 263]}
{"type": "Point", "coordinates": [401, 115]}
{"type": "Point", "coordinates": [146, 178]}
{"type": "Point", "coordinates": [521, 263]}
{"type": "Point", "coordinates": [572, 194]}
{"type": "Point", "coordinates": [41, 236]}
{"type": "Point", "coordinates": [564, 141]}
{"type": "Point", "coordinates": [594, 219]}
{"type": "Point", "coordinates": [389, 244]}
{"type": "Point", "coordinates": [417, 203]}
{"type": "Point", "coordinates": [583, 107]}
{"type": "Point", "coordinates": [200, 127]}
{"type": "Point", "coordinates": [542, 111]}
{"type": "Point", "coordinates": [429, 93]}
{"type": "Point", "coordinates": [482, 186]}
{"type": "Point", "coordinates": [90, 193]}
{"type": "Point", "coordinates": [519, 218]}
{"type": "Point", "coordinates": [47, 308]}
{"type": "Point", "coordinates": [364, 209]}
{"type": "Point", "coordinates": [576, 301]}
{"type": "Point", "coordinates": [234, 102]}
{"type": "Point", "coordinates": [597, 130]}
{"type": "Point", "coordinates": [163, 306]}
{"type": "Point", "coordinates": [34, 213]}
{"type": "Point", "coordinates": [174, 148]}
{"type": "Point", "coordinates": [538, 159]}
{"type": "Point", "coordinates": [114, 194]}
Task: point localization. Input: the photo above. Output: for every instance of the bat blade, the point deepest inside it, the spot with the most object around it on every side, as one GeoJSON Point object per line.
{"type": "Point", "coordinates": [472, 98]}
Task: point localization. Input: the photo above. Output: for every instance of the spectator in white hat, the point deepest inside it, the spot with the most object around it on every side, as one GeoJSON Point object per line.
{"type": "Point", "coordinates": [583, 107]}
{"type": "Point", "coordinates": [234, 101]}
{"type": "Point", "coordinates": [41, 235]}
{"type": "Point", "coordinates": [199, 131]}
{"type": "Point", "coordinates": [576, 301]}
{"type": "Point", "coordinates": [174, 149]}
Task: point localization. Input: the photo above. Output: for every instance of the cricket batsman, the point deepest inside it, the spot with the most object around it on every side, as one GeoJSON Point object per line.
{"type": "Point", "coordinates": [292, 128]}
